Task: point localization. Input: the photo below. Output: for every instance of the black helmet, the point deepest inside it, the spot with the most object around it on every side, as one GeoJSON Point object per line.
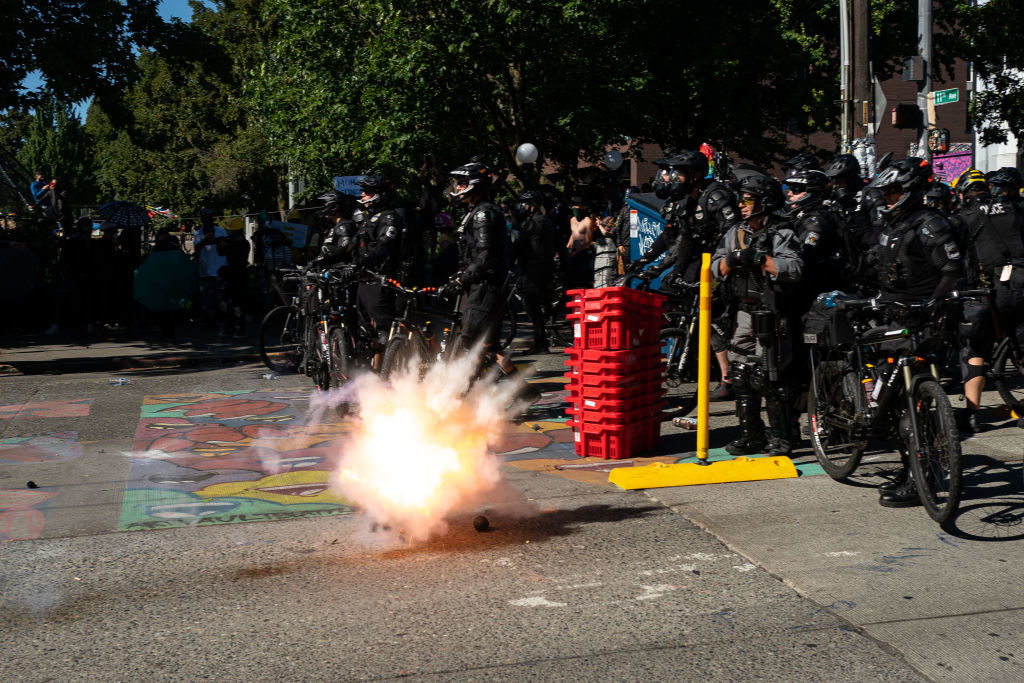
{"type": "Point", "coordinates": [939, 196]}
{"type": "Point", "coordinates": [806, 161]}
{"type": "Point", "coordinates": [844, 167]}
{"type": "Point", "coordinates": [815, 185]}
{"type": "Point", "coordinates": [767, 190]}
{"type": "Point", "coordinates": [377, 186]}
{"type": "Point", "coordinates": [1005, 183]}
{"type": "Point", "coordinates": [476, 175]}
{"type": "Point", "coordinates": [678, 173]}
{"type": "Point", "coordinates": [911, 176]}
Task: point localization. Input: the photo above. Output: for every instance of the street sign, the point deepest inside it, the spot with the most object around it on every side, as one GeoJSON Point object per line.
{"type": "Point", "coordinates": [947, 96]}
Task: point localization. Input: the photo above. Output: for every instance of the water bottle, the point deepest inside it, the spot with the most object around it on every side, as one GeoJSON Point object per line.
{"type": "Point", "coordinates": [119, 382]}
{"type": "Point", "coordinates": [870, 389]}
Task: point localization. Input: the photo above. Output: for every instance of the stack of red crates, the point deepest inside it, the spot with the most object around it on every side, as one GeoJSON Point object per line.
{"type": "Point", "coordinates": [615, 393]}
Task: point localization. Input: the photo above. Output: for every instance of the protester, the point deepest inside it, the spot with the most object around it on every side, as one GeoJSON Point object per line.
{"type": "Point", "coordinates": [209, 243]}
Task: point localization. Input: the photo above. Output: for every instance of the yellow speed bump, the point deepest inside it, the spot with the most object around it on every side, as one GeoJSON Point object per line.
{"type": "Point", "coordinates": [659, 474]}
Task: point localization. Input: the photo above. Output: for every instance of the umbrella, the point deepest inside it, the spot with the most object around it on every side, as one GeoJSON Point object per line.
{"type": "Point", "coordinates": [165, 280]}
{"type": "Point", "coordinates": [125, 214]}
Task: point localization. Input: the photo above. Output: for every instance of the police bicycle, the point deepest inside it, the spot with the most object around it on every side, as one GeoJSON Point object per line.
{"type": "Point", "coordinates": [425, 331]}
{"type": "Point", "coordinates": [869, 382]}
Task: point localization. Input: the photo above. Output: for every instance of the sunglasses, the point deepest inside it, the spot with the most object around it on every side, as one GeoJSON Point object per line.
{"type": "Point", "coordinates": [748, 201]}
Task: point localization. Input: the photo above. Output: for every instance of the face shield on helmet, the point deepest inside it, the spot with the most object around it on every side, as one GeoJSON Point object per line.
{"type": "Point", "coordinates": [1005, 184]}
{"type": "Point", "coordinates": [939, 197]}
{"type": "Point", "coordinates": [468, 179]}
{"type": "Point", "coordinates": [903, 184]}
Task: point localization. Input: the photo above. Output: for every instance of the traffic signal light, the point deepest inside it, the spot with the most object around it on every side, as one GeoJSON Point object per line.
{"type": "Point", "coordinates": [906, 116]}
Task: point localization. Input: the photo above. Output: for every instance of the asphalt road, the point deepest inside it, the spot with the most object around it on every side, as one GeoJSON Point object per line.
{"type": "Point", "coordinates": [138, 572]}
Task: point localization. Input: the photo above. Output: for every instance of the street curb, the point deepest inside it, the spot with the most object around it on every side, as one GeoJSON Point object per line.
{"type": "Point", "coordinates": [116, 363]}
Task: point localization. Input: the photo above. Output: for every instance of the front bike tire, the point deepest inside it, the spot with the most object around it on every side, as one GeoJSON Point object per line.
{"type": "Point", "coordinates": [341, 357]}
{"type": "Point", "coordinates": [835, 399]}
{"type": "Point", "coordinates": [1008, 376]}
{"type": "Point", "coordinates": [320, 369]}
{"type": "Point", "coordinates": [936, 460]}
{"type": "Point", "coordinates": [280, 342]}
{"type": "Point", "coordinates": [678, 375]}
{"type": "Point", "coordinates": [401, 351]}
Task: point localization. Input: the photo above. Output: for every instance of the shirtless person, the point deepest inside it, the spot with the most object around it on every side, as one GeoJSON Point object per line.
{"type": "Point", "coordinates": [580, 246]}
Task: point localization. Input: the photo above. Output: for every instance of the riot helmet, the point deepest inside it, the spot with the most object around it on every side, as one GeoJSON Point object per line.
{"type": "Point", "coordinates": [805, 161]}
{"type": "Point", "coordinates": [530, 202]}
{"type": "Point", "coordinates": [843, 168]}
{"type": "Point", "coordinates": [759, 195]}
{"type": "Point", "coordinates": [904, 183]}
{"type": "Point", "coordinates": [471, 178]}
{"type": "Point", "coordinates": [939, 196]}
{"type": "Point", "coordinates": [679, 173]}
{"type": "Point", "coordinates": [1005, 183]}
{"type": "Point", "coordinates": [969, 186]}
{"type": "Point", "coordinates": [376, 188]}
{"type": "Point", "coordinates": [807, 188]}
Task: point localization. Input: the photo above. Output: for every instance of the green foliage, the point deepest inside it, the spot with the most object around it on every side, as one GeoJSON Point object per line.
{"type": "Point", "coordinates": [55, 143]}
{"type": "Point", "coordinates": [991, 39]}
{"type": "Point", "coordinates": [81, 48]}
{"type": "Point", "coordinates": [180, 136]}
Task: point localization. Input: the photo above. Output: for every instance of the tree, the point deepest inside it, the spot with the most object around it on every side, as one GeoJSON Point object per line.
{"type": "Point", "coordinates": [80, 47]}
{"type": "Point", "coordinates": [990, 38]}
{"type": "Point", "coordinates": [180, 136]}
{"type": "Point", "coordinates": [55, 143]}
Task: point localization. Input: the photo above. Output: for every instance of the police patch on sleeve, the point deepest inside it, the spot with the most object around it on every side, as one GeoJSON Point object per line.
{"type": "Point", "coordinates": [729, 213]}
{"type": "Point", "coordinates": [952, 251]}
{"type": "Point", "coordinates": [812, 238]}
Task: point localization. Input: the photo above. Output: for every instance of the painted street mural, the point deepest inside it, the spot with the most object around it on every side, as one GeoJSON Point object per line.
{"type": "Point", "coordinates": [244, 456]}
{"type": "Point", "coordinates": [64, 408]}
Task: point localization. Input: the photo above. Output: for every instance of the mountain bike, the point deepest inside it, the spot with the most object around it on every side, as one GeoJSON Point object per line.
{"type": "Point", "coordinates": [282, 330]}
{"type": "Point", "coordinates": [425, 331]}
{"type": "Point", "coordinates": [870, 381]}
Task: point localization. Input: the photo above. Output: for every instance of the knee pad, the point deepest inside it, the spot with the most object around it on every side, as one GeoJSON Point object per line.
{"type": "Point", "coordinates": [973, 371]}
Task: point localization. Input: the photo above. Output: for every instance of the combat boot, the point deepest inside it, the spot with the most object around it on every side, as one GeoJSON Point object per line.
{"type": "Point", "coordinates": [751, 441]}
{"type": "Point", "coordinates": [780, 439]}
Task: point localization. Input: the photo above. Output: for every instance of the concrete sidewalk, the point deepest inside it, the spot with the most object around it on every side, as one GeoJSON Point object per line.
{"type": "Point", "coordinates": [34, 354]}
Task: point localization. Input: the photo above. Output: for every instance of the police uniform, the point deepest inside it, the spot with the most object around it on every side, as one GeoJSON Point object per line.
{"type": "Point", "coordinates": [483, 275]}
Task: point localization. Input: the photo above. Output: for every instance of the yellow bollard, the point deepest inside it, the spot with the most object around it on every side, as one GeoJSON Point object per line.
{"type": "Point", "coordinates": [703, 359]}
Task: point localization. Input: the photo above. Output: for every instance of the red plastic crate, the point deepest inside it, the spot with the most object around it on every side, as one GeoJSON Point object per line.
{"type": "Point", "coordinates": [614, 331]}
{"type": "Point", "coordinates": [587, 408]}
{"type": "Point", "coordinates": [633, 391]}
{"type": "Point", "coordinates": [627, 362]}
{"type": "Point", "coordinates": [602, 415]}
{"type": "Point", "coordinates": [631, 297]}
{"type": "Point", "coordinates": [610, 381]}
{"type": "Point", "coordinates": [616, 442]}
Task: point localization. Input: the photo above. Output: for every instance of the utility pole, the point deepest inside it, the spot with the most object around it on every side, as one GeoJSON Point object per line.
{"type": "Point", "coordinates": [863, 92]}
{"type": "Point", "coordinates": [845, 56]}
{"type": "Point", "coordinates": [924, 44]}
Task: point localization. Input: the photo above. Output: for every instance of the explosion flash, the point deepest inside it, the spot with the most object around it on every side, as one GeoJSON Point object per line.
{"type": "Point", "coordinates": [418, 452]}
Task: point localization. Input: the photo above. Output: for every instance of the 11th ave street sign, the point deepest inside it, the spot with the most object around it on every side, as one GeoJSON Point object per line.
{"type": "Point", "coordinates": [947, 96]}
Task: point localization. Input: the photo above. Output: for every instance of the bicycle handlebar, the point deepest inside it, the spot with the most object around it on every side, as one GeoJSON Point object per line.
{"type": "Point", "coordinates": [875, 303]}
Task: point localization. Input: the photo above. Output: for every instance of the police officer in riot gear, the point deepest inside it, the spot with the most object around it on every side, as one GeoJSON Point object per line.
{"type": "Point", "coordinates": [339, 241]}
{"type": "Point", "coordinates": [535, 255]}
{"type": "Point", "coordinates": [817, 230]}
{"type": "Point", "coordinates": [970, 187]}
{"type": "Point", "coordinates": [993, 234]}
{"type": "Point", "coordinates": [918, 258]}
{"type": "Point", "coordinates": [844, 172]}
{"type": "Point", "coordinates": [759, 261]}
{"type": "Point", "coordinates": [805, 161]}
{"type": "Point", "coordinates": [484, 267]}
{"type": "Point", "coordinates": [697, 212]}
{"type": "Point", "coordinates": [379, 249]}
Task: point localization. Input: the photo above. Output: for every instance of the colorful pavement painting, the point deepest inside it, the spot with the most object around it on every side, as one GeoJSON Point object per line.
{"type": "Point", "coordinates": [244, 456]}
{"type": "Point", "coordinates": [22, 511]}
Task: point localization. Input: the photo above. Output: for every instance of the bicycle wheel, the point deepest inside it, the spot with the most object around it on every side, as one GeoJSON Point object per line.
{"type": "Point", "coordinates": [834, 402]}
{"type": "Point", "coordinates": [400, 351]}
{"type": "Point", "coordinates": [1008, 376]}
{"type": "Point", "coordinates": [280, 340]}
{"type": "Point", "coordinates": [936, 460]}
{"type": "Point", "coordinates": [679, 370]}
{"type": "Point", "coordinates": [560, 329]}
{"type": "Point", "coordinates": [341, 357]}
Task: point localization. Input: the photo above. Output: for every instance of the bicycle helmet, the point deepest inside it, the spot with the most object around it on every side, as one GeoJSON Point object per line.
{"type": "Point", "coordinates": [939, 196]}
{"type": "Point", "coordinates": [843, 167]}
{"type": "Point", "coordinates": [805, 161]}
{"type": "Point", "coordinates": [911, 176]}
{"type": "Point", "coordinates": [766, 190]}
{"type": "Point", "coordinates": [471, 177]}
{"type": "Point", "coordinates": [815, 187]}
{"type": "Point", "coordinates": [969, 185]}
{"type": "Point", "coordinates": [376, 187]}
{"type": "Point", "coordinates": [1005, 183]}
{"type": "Point", "coordinates": [678, 174]}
